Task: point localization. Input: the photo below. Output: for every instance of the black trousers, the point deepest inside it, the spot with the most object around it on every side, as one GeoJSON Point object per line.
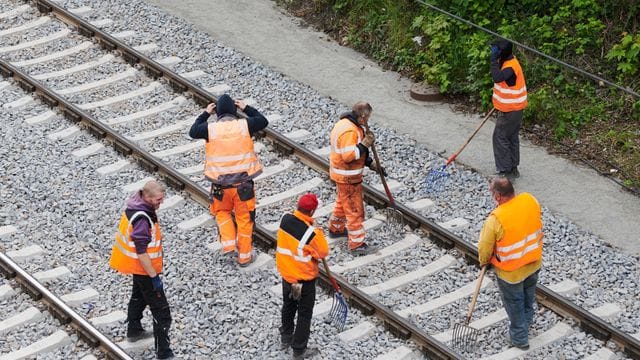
{"type": "Point", "coordinates": [506, 141]}
{"type": "Point", "coordinates": [297, 336]}
{"type": "Point", "coordinates": [141, 296]}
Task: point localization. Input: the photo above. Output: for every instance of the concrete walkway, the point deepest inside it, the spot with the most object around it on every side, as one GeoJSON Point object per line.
{"type": "Point", "coordinates": [275, 39]}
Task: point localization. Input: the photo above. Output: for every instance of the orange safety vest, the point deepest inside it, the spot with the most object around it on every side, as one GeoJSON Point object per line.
{"type": "Point", "coordinates": [346, 162]}
{"type": "Point", "coordinates": [123, 255]}
{"type": "Point", "coordinates": [521, 243]}
{"type": "Point", "coordinates": [511, 98]}
{"type": "Point", "coordinates": [229, 155]}
{"type": "Point", "coordinates": [299, 245]}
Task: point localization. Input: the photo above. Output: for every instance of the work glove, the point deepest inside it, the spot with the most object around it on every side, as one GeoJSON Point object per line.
{"type": "Point", "coordinates": [495, 51]}
{"type": "Point", "coordinates": [157, 283]}
{"type": "Point", "coordinates": [296, 291]}
{"type": "Point", "coordinates": [369, 139]}
{"type": "Point", "coordinates": [373, 166]}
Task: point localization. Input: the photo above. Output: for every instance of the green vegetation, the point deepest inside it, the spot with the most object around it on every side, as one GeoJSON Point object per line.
{"type": "Point", "coordinates": [600, 36]}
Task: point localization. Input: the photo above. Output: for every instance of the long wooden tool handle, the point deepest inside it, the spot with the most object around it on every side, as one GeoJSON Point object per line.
{"type": "Point", "coordinates": [331, 278]}
{"type": "Point", "coordinates": [392, 201]}
{"type": "Point", "coordinates": [455, 155]}
{"type": "Point", "coordinates": [475, 294]}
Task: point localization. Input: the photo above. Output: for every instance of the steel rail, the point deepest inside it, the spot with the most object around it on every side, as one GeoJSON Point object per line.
{"type": "Point", "coordinates": [438, 234]}
{"type": "Point", "coordinates": [59, 309]}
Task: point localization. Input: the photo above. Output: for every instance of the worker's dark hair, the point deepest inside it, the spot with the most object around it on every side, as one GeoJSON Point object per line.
{"type": "Point", "coordinates": [502, 186]}
{"type": "Point", "coordinates": [361, 109]}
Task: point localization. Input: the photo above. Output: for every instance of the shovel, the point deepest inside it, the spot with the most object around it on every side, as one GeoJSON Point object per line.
{"type": "Point", "coordinates": [339, 308]}
{"type": "Point", "coordinates": [464, 336]}
{"type": "Point", "coordinates": [392, 211]}
{"type": "Point", "coordinates": [436, 177]}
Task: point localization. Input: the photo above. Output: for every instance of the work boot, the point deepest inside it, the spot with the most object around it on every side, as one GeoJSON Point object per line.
{"type": "Point", "coordinates": [134, 335]}
{"type": "Point", "coordinates": [254, 256]}
{"type": "Point", "coordinates": [308, 353]}
{"type": "Point", "coordinates": [336, 235]}
{"type": "Point", "coordinates": [364, 249]}
{"type": "Point", "coordinates": [285, 342]}
{"type": "Point", "coordinates": [515, 173]}
{"type": "Point", "coordinates": [521, 346]}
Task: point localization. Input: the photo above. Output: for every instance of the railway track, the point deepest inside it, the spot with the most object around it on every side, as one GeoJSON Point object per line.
{"type": "Point", "coordinates": [162, 148]}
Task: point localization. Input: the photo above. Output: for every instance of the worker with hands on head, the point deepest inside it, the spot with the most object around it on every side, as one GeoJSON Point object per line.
{"type": "Point", "coordinates": [349, 155]}
{"type": "Point", "coordinates": [511, 240]}
{"type": "Point", "coordinates": [137, 250]}
{"type": "Point", "coordinates": [300, 246]}
{"type": "Point", "coordinates": [510, 99]}
{"type": "Point", "coordinates": [231, 165]}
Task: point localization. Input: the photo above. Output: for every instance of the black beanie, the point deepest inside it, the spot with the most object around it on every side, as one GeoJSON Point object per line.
{"type": "Point", "coordinates": [506, 49]}
{"type": "Point", "coordinates": [225, 106]}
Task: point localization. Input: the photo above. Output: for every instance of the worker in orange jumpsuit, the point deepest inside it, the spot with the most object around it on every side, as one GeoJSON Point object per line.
{"type": "Point", "coordinates": [349, 156]}
{"type": "Point", "coordinates": [300, 246]}
{"type": "Point", "coordinates": [137, 251]}
{"type": "Point", "coordinates": [231, 165]}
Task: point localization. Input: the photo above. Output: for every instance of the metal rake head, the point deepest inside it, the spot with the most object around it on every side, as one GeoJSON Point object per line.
{"type": "Point", "coordinates": [465, 337]}
{"type": "Point", "coordinates": [436, 179]}
{"type": "Point", "coordinates": [339, 310]}
{"type": "Point", "coordinates": [394, 215]}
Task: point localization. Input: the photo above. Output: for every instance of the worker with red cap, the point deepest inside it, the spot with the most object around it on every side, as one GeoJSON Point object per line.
{"type": "Point", "coordinates": [300, 246]}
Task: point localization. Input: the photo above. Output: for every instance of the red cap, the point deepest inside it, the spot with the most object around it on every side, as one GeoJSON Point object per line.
{"type": "Point", "coordinates": [308, 202]}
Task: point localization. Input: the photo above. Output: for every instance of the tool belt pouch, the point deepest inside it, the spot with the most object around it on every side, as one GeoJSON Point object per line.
{"type": "Point", "coordinates": [217, 192]}
{"type": "Point", "coordinates": [245, 191]}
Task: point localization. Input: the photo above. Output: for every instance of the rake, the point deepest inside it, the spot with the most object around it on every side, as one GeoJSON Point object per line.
{"type": "Point", "coordinates": [436, 177]}
{"type": "Point", "coordinates": [464, 336]}
{"type": "Point", "coordinates": [392, 211]}
{"type": "Point", "coordinates": [339, 307]}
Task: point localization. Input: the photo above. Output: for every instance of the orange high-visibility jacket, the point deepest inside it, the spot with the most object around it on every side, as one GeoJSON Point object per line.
{"type": "Point", "coordinates": [521, 243]}
{"type": "Point", "coordinates": [230, 158]}
{"type": "Point", "coordinates": [123, 255]}
{"type": "Point", "coordinates": [346, 162]}
{"type": "Point", "coordinates": [511, 98]}
{"type": "Point", "coordinates": [300, 245]}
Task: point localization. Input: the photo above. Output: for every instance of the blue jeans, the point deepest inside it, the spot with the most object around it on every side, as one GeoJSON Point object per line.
{"type": "Point", "coordinates": [518, 300]}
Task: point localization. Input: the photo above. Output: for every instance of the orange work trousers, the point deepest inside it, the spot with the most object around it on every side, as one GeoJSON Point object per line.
{"type": "Point", "coordinates": [244, 213]}
{"type": "Point", "coordinates": [349, 212]}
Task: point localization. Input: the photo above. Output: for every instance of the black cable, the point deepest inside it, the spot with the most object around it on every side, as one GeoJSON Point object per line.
{"type": "Point", "coordinates": [628, 90]}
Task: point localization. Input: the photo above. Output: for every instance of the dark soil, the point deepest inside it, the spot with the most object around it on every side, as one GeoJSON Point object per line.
{"type": "Point", "coordinates": [608, 155]}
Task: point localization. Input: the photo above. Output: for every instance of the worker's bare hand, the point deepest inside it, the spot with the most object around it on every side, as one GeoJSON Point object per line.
{"type": "Point", "coordinates": [240, 104]}
{"type": "Point", "coordinates": [210, 108]}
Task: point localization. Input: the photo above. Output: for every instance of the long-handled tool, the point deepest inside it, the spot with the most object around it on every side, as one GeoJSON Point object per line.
{"type": "Point", "coordinates": [392, 211]}
{"type": "Point", "coordinates": [436, 177]}
{"type": "Point", "coordinates": [339, 307]}
{"type": "Point", "coordinates": [464, 336]}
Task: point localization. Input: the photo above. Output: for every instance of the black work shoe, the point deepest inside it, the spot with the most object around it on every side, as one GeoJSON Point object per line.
{"type": "Point", "coordinates": [138, 335]}
{"type": "Point", "coordinates": [341, 234]}
{"type": "Point", "coordinates": [521, 346]}
{"type": "Point", "coordinates": [364, 249]}
{"type": "Point", "coordinates": [308, 353]}
{"type": "Point", "coordinates": [284, 345]}
{"type": "Point", "coordinates": [515, 173]}
{"type": "Point", "coordinates": [166, 355]}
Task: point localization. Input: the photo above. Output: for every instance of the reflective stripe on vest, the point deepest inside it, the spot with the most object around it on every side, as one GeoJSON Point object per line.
{"type": "Point", "coordinates": [521, 242]}
{"type": "Point", "coordinates": [511, 98]}
{"type": "Point", "coordinates": [123, 254]}
{"type": "Point", "coordinates": [229, 154]}
{"type": "Point", "coordinates": [339, 170]}
{"type": "Point", "coordinates": [299, 256]}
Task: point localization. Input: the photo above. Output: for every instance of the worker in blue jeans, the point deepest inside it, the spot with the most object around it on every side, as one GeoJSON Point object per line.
{"type": "Point", "coordinates": [511, 240]}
